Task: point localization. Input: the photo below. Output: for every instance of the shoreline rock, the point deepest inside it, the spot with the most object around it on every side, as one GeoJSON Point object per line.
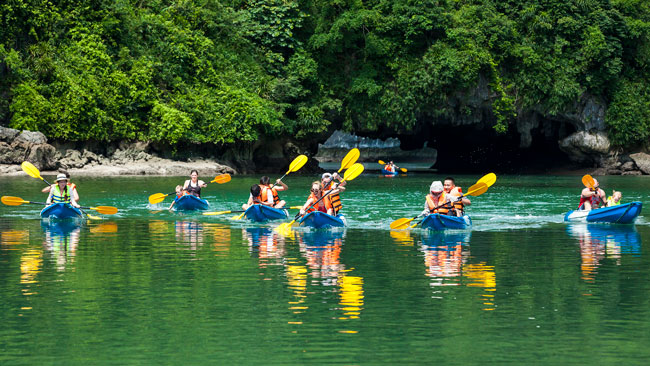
{"type": "Point", "coordinates": [127, 159]}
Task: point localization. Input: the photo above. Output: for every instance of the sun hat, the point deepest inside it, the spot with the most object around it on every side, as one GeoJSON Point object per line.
{"type": "Point", "coordinates": [327, 176]}
{"type": "Point", "coordinates": [436, 186]}
{"type": "Point", "coordinates": [61, 177]}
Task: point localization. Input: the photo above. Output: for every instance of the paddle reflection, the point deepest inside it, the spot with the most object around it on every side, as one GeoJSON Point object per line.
{"type": "Point", "coordinates": [266, 244]}
{"type": "Point", "coordinates": [599, 241]}
{"type": "Point", "coordinates": [61, 240]}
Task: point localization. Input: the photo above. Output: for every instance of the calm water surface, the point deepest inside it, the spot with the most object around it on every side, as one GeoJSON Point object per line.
{"type": "Point", "coordinates": [147, 286]}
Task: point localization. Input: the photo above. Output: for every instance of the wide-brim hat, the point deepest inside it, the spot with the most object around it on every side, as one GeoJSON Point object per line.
{"type": "Point", "coordinates": [60, 177]}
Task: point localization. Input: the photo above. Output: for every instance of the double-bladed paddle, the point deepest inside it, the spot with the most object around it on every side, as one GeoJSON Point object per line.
{"type": "Point", "coordinates": [588, 181]}
{"type": "Point", "coordinates": [295, 165]}
{"type": "Point", "coordinates": [33, 172]}
{"type": "Point", "coordinates": [159, 197]}
{"type": "Point", "coordinates": [350, 174]}
{"type": "Point", "coordinates": [383, 163]}
{"type": "Point", "coordinates": [476, 190]}
{"type": "Point", "coordinates": [17, 201]}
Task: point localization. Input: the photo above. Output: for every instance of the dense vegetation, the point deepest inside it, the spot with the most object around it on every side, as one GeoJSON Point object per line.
{"type": "Point", "coordinates": [231, 71]}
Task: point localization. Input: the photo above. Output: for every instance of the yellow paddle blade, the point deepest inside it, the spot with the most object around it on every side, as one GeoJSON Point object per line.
{"type": "Point", "coordinates": [105, 210]}
{"type": "Point", "coordinates": [157, 198]}
{"type": "Point", "coordinates": [297, 163]}
{"type": "Point", "coordinates": [30, 169]}
{"type": "Point", "coordinates": [489, 179]}
{"type": "Point", "coordinates": [223, 178]}
{"type": "Point", "coordinates": [477, 189]}
{"type": "Point", "coordinates": [350, 158]}
{"type": "Point", "coordinates": [216, 213]}
{"type": "Point", "coordinates": [400, 224]}
{"type": "Point", "coordinates": [353, 172]}
{"type": "Point", "coordinates": [404, 170]}
{"type": "Point", "coordinates": [12, 201]}
{"type": "Point", "coordinates": [93, 217]}
{"type": "Point", "coordinates": [381, 162]}
{"type": "Point", "coordinates": [588, 181]}
{"type": "Point", "coordinates": [283, 228]}
{"type": "Point", "coordinates": [238, 217]}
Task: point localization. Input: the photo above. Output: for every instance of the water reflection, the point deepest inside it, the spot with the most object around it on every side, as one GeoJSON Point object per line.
{"type": "Point", "coordinates": [444, 255]}
{"type": "Point", "coordinates": [599, 241]}
{"type": "Point", "coordinates": [189, 233]}
{"type": "Point", "coordinates": [268, 245]}
{"type": "Point", "coordinates": [61, 240]}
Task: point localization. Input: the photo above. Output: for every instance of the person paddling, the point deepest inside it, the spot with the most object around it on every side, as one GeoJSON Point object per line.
{"type": "Point", "coordinates": [391, 167]}
{"type": "Point", "coordinates": [437, 201]}
{"type": "Point", "coordinates": [72, 186]}
{"type": "Point", "coordinates": [453, 192]}
{"type": "Point", "coordinates": [61, 192]}
{"type": "Point", "coordinates": [327, 182]}
{"type": "Point", "coordinates": [325, 205]}
{"type": "Point", "coordinates": [255, 198]}
{"type": "Point", "coordinates": [193, 185]}
{"type": "Point", "coordinates": [592, 198]}
{"type": "Point", "coordinates": [268, 190]}
{"type": "Point", "coordinates": [179, 193]}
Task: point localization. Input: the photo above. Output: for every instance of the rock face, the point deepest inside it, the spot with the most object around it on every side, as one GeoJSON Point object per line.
{"type": "Point", "coordinates": [642, 160]}
{"type": "Point", "coordinates": [586, 147]}
{"type": "Point", "coordinates": [372, 150]}
{"type": "Point", "coordinates": [126, 159]}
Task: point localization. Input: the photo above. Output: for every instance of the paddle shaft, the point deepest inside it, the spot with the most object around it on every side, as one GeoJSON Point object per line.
{"type": "Point", "coordinates": [320, 199]}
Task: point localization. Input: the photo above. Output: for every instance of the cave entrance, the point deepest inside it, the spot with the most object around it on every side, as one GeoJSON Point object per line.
{"type": "Point", "coordinates": [476, 150]}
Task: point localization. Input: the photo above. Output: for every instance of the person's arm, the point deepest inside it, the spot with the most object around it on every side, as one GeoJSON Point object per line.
{"type": "Point", "coordinates": [75, 195]}
{"type": "Point", "coordinates": [341, 183]}
{"type": "Point", "coordinates": [46, 189]}
{"type": "Point", "coordinates": [172, 205]}
{"type": "Point", "coordinates": [73, 202]}
{"type": "Point", "coordinates": [304, 208]}
{"type": "Point", "coordinates": [466, 201]}
{"type": "Point", "coordinates": [426, 210]}
{"type": "Point", "coordinates": [187, 183]}
{"type": "Point", "coordinates": [202, 184]}
{"type": "Point", "coordinates": [280, 186]}
{"type": "Point", "coordinates": [269, 198]}
{"type": "Point", "coordinates": [49, 198]}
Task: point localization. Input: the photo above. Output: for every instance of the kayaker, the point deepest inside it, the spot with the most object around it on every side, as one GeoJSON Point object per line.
{"type": "Point", "coordinates": [267, 189]}
{"type": "Point", "coordinates": [614, 199]}
{"type": "Point", "coordinates": [179, 193]}
{"type": "Point", "coordinates": [325, 205]}
{"type": "Point", "coordinates": [193, 185]}
{"type": "Point", "coordinates": [454, 193]}
{"type": "Point", "coordinates": [327, 182]}
{"type": "Point", "coordinates": [255, 198]}
{"type": "Point", "coordinates": [592, 198]}
{"type": "Point", "coordinates": [61, 192]}
{"type": "Point", "coordinates": [437, 200]}
{"type": "Point", "coordinates": [72, 186]}
{"type": "Point", "coordinates": [391, 167]}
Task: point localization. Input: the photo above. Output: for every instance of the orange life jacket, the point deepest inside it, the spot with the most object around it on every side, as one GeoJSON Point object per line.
{"type": "Point", "coordinates": [442, 199]}
{"type": "Point", "coordinates": [326, 204]}
{"type": "Point", "coordinates": [265, 197]}
{"type": "Point", "coordinates": [458, 205]}
{"type": "Point", "coordinates": [388, 168]}
{"type": "Point", "coordinates": [334, 198]}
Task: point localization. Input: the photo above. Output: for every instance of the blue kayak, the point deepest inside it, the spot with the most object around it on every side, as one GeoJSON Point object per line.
{"type": "Point", "coordinates": [321, 220]}
{"type": "Point", "coordinates": [440, 222]}
{"type": "Point", "coordinates": [386, 172]}
{"type": "Point", "coordinates": [619, 214]}
{"type": "Point", "coordinates": [60, 211]}
{"type": "Point", "coordinates": [261, 213]}
{"type": "Point", "coordinates": [189, 202]}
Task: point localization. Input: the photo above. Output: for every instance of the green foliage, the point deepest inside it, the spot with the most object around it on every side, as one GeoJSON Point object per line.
{"type": "Point", "coordinates": [236, 71]}
{"type": "Point", "coordinates": [628, 116]}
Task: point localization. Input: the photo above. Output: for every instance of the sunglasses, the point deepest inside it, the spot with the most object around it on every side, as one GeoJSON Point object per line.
{"type": "Point", "coordinates": [315, 190]}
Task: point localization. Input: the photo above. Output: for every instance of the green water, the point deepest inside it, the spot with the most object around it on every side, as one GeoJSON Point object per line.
{"type": "Point", "coordinates": [150, 287]}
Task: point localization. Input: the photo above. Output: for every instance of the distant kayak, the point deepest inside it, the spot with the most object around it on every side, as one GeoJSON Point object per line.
{"type": "Point", "coordinates": [261, 213]}
{"type": "Point", "coordinates": [619, 214]}
{"type": "Point", "coordinates": [440, 222]}
{"type": "Point", "coordinates": [60, 211]}
{"type": "Point", "coordinates": [321, 220]}
{"type": "Point", "coordinates": [189, 202]}
{"type": "Point", "coordinates": [386, 172]}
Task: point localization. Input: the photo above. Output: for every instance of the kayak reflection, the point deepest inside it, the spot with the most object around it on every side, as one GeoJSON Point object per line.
{"type": "Point", "coordinates": [266, 244]}
{"type": "Point", "coordinates": [61, 240]}
{"type": "Point", "coordinates": [444, 255]}
{"type": "Point", "coordinates": [599, 241]}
